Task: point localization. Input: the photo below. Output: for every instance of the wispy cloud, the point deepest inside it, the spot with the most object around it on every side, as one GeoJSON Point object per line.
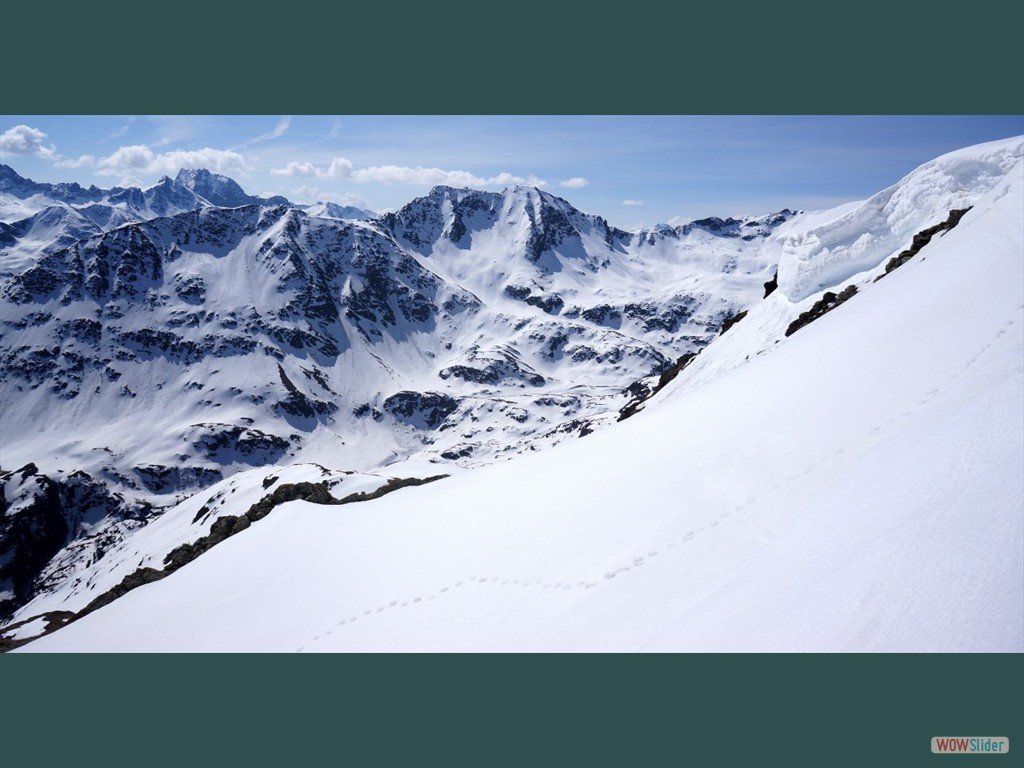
{"type": "Point", "coordinates": [25, 140]}
{"type": "Point", "coordinates": [117, 133]}
{"type": "Point", "coordinates": [343, 168]}
{"type": "Point", "coordinates": [632, 202]}
{"type": "Point", "coordinates": [576, 182]}
{"type": "Point", "coordinates": [174, 128]}
{"type": "Point", "coordinates": [279, 130]}
{"type": "Point", "coordinates": [84, 161]}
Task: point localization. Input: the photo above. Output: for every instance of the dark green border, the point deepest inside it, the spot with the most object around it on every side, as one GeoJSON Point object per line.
{"type": "Point", "coordinates": [525, 57]}
{"type": "Point", "coordinates": [461, 58]}
{"type": "Point", "coordinates": [622, 710]}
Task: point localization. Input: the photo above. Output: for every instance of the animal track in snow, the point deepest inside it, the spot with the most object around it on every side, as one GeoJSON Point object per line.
{"type": "Point", "coordinates": [503, 581]}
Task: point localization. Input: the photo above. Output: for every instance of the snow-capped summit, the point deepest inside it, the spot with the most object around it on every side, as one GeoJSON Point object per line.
{"type": "Point", "coordinates": [22, 199]}
{"type": "Point", "coordinates": [851, 485]}
{"type": "Point", "coordinates": [465, 327]}
{"type": "Point", "coordinates": [217, 189]}
{"type": "Point", "coordinates": [168, 197]}
{"type": "Point", "coordinates": [336, 211]}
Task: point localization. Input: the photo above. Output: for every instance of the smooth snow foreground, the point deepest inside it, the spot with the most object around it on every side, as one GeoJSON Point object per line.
{"type": "Point", "coordinates": [856, 487]}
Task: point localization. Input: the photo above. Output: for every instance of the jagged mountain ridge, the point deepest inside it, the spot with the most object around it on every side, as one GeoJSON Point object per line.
{"type": "Point", "coordinates": [38, 218]}
{"type": "Point", "coordinates": [854, 486]}
{"type": "Point", "coordinates": [465, 327]}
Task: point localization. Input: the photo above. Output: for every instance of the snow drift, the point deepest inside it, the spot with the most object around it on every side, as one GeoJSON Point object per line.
{"type": "Point", "coordinates": [846, 242]}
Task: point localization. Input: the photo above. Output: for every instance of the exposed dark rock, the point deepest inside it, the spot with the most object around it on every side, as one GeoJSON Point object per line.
{"type": "Point", "coordinates": [643, 393]}
{"type": "Point", "coordinates": [518, 292]}
{"type": "Point", "coordinates": [85, 330]}
{"type": "Point", "coordinates": [426, 410]}
{"type": "Point", "coordinates": [921, 239]}
{"type": "Point", "coordinates": [669, 317]}
{"type": "Point", "coordinates": [222, 529]}
{"type": "Point", "coordinates": [226, 443]}
{"type": "Point", "coordinates": [191, 289]}
{"type": "Point", "coordinates": [494, 372]}
{"type": "Point", "coordinates": [393, 484]}
{"type": "Point", "coordinates": [729, 322]}
{"type": "Point", "coordinates": [298, 404]}
{"type": "Point", "coordinates": [552, 343]}
{"type": "Point", "coordinates": [163, 479]}
{"type": "Point", "coordinates": [133, 580]}
{"type": "Point", "coordinates": [43, 515]}
{"type": "Point", "coordinates": [547, 302]}
{"type": "Point", "coordinates": [54, 621]}
{"type": "Point", "coordinates": [604, 314]}
{"type": "Point", "coordinates": [550, 228]}
{"type": "Point", "coordinates": [822, 306]}
{"type": "Point", "coordinates": [771, 285]}
{"type": "Point", "coordinates": [458, 452]}
{"type": "Point", "coordinates": [29, 537]}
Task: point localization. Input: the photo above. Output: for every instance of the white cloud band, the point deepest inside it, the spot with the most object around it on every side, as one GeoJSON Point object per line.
{"type": "Point", "coordinates": [25, 140]}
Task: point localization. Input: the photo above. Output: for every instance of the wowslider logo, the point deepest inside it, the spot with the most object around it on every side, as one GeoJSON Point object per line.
{"type": "Point", "coordinates": [971, 745]}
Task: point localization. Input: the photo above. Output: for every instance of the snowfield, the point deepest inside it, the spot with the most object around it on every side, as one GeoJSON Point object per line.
{"type": "Point", "coordinates": [856, 486]}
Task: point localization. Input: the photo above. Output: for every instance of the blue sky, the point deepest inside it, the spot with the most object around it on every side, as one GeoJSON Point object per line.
{"type": "Point", "coordinates": [634, 170]}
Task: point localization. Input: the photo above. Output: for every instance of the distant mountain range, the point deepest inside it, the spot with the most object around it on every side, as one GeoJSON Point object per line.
{"type": "Point", "coordinates": [806, 426]}
{"type": "Point", "coordinates": [464, 327]}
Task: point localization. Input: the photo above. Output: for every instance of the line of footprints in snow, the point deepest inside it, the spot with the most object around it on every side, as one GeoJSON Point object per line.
{"type": "Point", "coordinates": [637, 562]}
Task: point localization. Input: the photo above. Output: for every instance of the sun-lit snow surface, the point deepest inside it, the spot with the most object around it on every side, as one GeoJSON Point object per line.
{"type": "Point", "coordinates": [850, 241]}
{"type": "Point", "coordinates": [463, 329]}
{"type": "Point", "coordinates": [856, 486]}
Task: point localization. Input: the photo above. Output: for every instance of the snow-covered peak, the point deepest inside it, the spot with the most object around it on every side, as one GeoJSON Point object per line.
{"type": "Point", "coordinates": [846, 241]}
{"type": "Point", "coordinates": [17, 186]}
{"type": "Point", "coordinates": [12, 181]}
{"type": "Point", "coordinates": [219, 190]}
{"type": "Point", "coordinates": [329, 210]}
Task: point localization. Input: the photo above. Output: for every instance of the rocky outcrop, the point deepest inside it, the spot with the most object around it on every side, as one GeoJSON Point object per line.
{"type": "Point", "coordinates": [425, 410]}
{"type": "Point", "coordinates": [921, 239]}
{"type": "Point", "coordinates": [730, 321]}
{"type": "Point", "coordinates": [642, 393]}
{"type": "Point", "coordinates": [821, 307]}
{"type": "Point", "coordinates": [39, 515]}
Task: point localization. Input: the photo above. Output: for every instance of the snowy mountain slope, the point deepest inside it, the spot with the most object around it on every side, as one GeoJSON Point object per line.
{"type": "Point", "coordinates": [220, 191]}
{"type": "Point", "coordinates": [860, 239]}
{"type": "Point", "coordinates": [855, 486]}
{"type": "Point", "coordinates": [335, 211]}
{"type": "Point", "coordinates": [260, 335]}
{"type": "Point", "coordinates": [811, 251]}
{"type": "Point", "coordinates": [38, 219]}
{"type": "Point", "coordinates": [148, 547]}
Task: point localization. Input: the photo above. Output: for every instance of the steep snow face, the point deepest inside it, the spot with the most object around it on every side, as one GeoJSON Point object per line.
{"type": "Point", "coordinates": [855, 486]}
{"type": "Point", "coordinates": [52, 228]}
{"type": "Point", "coordinates": [219, 190]}
{"type": "Point", "coordinates": [848, 242]}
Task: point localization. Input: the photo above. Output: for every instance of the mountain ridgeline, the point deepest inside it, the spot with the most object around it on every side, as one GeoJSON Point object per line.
{"type": "Point", "coordinates": [158, 341]}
